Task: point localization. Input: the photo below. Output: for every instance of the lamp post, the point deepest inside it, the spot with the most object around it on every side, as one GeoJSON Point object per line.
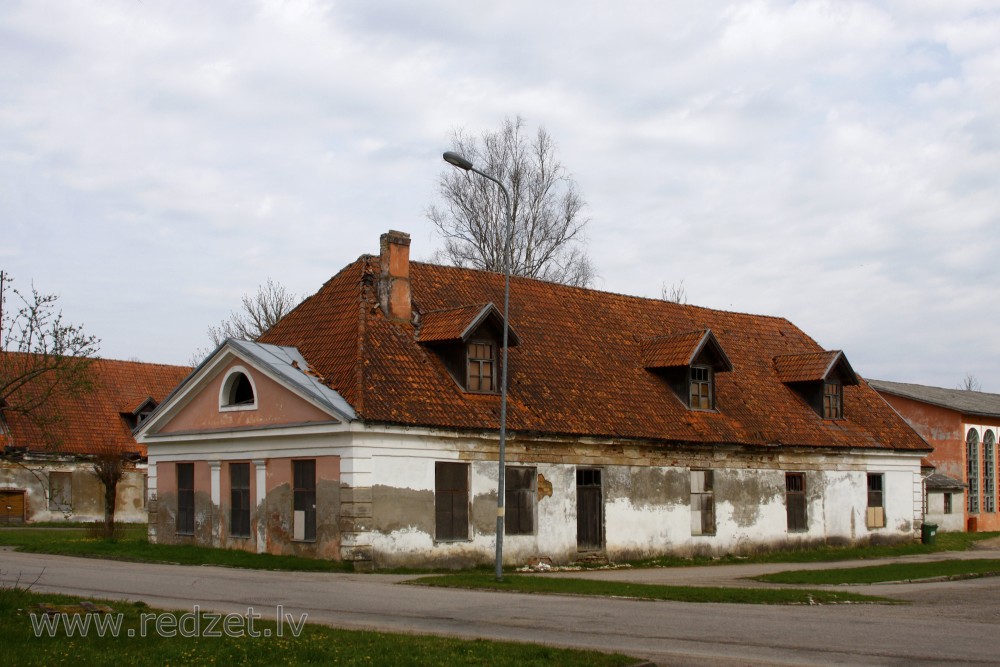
{"type": "Point", "coordinates": [462, 163]}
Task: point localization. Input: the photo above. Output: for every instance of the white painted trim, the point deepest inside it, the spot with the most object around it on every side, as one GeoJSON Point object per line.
{"type": "Point", "coordinates": [227, 387]}
{"type": "Point", "coordinates": [260, 468]}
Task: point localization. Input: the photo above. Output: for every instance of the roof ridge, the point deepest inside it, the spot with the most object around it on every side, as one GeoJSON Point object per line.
{"type": "Point", "coordinates": [559, 285]}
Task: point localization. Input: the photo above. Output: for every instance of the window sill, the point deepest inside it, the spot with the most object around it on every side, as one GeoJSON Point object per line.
{"type": "Point", "coordinates": [237, 408]}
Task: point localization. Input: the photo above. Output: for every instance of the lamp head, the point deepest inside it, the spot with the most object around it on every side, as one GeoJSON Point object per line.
{"type": "Point", "coordinates": [457, 160]}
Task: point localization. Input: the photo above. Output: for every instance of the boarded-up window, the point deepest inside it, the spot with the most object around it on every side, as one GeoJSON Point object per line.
{"type": "Point", "coordinates": [185, 498]}
{"type": "Point", "coordinates": [303, 499]}
{"type": "Point", "coordinates": [451, 500]}
{"type": "Point", "coordinates": [702, 502]}
{"type": "Point", "coordinates": [519, 501]}
{"type": "Point", "coordinates": [795, 501]}
{"type": "Point", "coordinates": [60, 492]}
{"type": "Point", "coordinates": [239, 504]}
{"type": "Point", "coordinates": [876, 501]}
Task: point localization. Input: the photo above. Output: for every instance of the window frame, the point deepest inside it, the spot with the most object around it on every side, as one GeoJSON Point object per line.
{"type": "Point", "coordinates": [520, 500]}
{"type": "Point", "coordinates": [702, 501]}
{"type": "Point", "coordinates": [480, 361]}
{"type": "Point", "coordinates": [989, 472]}
{"type": "Point", "coordinates": [832, 401]}
{"type": "Point", "coordinates": [229, 387]}
{"type": "Point", "coordinates": [451, 501]}
{"type": "Point", "coordinates": [304, 498]}
{"type": "Point", "coordinates": [875, 511]}
{"type": "Point", "coordinates": [796, 504]}
{"type": "Point", "coordinates": [65, 486]}
{"type": "Point", "coordinates": [184, 473]}
{"type": "Point", "coordinates": [972, 498]}
{"type": "Point", "coordinates": [707, 384]}
{"type": "Point", "coordinates": [239, 500]}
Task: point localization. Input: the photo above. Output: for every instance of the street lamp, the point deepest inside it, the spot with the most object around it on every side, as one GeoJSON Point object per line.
{"type": "Point", "coordinates": [462, 163]}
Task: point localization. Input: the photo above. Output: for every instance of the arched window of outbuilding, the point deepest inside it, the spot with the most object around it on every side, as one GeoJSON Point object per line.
{"type": "Point", "coordinates": [972, 470]}
{"type": "Point", "coordinates": [238, 391]}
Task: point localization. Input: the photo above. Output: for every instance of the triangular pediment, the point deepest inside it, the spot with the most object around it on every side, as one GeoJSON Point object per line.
{"type": "Point", "coordinates": [246, 386]}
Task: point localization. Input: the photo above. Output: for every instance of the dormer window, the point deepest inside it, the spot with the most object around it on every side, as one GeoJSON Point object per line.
{"type": "Point", "coordinates": [238, 391]}
{"type": "Point", "coordinates": [833, 399]}
{"type": "Point", "coordinates": [467, 339]}
{"type": "Point", "coordinates": [481, 364]}
{"type": "Point", "coordinates": [701, 388]}
{"type": "Point", "coordinates": [819, 379]}
{"type": "Point", "coordinates": [689, 363]}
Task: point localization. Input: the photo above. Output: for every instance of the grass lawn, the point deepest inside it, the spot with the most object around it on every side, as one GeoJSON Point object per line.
{"type": "Point", "coordinates": [560, 585]}
{"type": "Point", "coordinates": [316, 645]}
{"type": "Point", "coordinates": [133, 545]}
{"type": "Point", "coordinates": [889, 572]}
{"type": "Point", "coordinates": [945, 542]}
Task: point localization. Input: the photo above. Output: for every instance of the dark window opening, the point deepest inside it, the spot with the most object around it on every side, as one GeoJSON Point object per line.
{"type": "Point", "coordinates": [519, 501]}
{"type": "Point", "coordinates": [240, 390]}
{"type": "Point", "coordinates": [304, 500]}
{"type": "Point", "coordinates": [451, 500]}
{"type": "Point", "coordinates": [795, 501]}
{"type": "Point", "coordinates": [185, 498]}
{"type": "Point", "coordinates": [239, 505]}
{"type": "Point", "coordinates": [702, 502]}
{"type": "Point", "coordinates": [947, 503]}
{"type": "Point", "coordinates": [876, 501]}
{"type": "Point", "coordinates": [481, 365]}
{"type": "Point", "coordinates": [700, 389]}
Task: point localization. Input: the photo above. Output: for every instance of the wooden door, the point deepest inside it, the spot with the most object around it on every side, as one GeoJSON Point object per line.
{"type": "Point", "coordinates": [11, 506]}
{"type": "Point", "coordinates": [589, 510]}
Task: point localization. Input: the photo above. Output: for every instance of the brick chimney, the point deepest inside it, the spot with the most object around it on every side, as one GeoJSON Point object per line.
{"type": "Point", "coordinates": [394, 283]}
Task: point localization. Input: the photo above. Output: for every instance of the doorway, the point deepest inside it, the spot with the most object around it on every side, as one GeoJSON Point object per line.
{"type": "Point", "coordinates": [589, 510]}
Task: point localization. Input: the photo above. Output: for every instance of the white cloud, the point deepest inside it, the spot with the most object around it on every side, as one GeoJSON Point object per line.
{"type": "Point", "coordinates": [831, 162]}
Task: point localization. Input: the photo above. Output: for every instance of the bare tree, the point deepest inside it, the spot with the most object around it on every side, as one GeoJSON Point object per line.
{"type": "Point", "coordinates": [42, 357]}
{"type": "Point", "coordinates": [970, 383]}
{"type": "Point", "coordinates": [109, 465]}
{"type": "Point", "coordinates": [674, 293]}
{"type": "Point", "coordinates": [548, 234]}
{"type": "Point", "coordinates": [260, 312]}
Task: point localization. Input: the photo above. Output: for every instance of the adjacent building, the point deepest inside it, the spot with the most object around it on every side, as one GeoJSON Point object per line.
{"type": "Point", "coordinates": [46, 474]}
{"type": "Point", "coordinates": [963, 427]}
{"type": "Point", "coordinates": [364, 427]}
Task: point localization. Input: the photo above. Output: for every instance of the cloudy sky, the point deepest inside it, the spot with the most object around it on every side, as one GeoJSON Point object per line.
{"type": "Point", "coordinates": [835, 163]}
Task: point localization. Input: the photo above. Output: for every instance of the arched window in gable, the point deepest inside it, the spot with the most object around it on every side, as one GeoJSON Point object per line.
{"type": "Point", "coordinates": [238, 391]}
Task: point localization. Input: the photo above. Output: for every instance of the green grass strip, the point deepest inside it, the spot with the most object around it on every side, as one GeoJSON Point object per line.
{"type": "Point", "coordinates": [316, 645]}
{"type": "Point", "coordinates": [134, 546]}
{"type": "Point", "coordinates": [572, 586]}
{"type": "Point", "coordinates": [875, 574]}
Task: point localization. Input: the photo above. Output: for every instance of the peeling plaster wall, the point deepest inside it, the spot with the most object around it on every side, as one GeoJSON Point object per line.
{"type": "Point", "coordinates": [385, 495]}
{"type": "Point", "coordinates": [87, 502]}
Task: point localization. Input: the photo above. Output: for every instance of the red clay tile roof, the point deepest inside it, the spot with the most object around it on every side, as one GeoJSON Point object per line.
{"type": "Point", "coordinates": [811, 367]}
{"type": "Point", "coordinates": [92, 420]}
{"type": "Point", "coordinates": [579, 369]}
{"type": "Point", "coordinates": [682, 350]}
{"type": "Point", "coordinates": [458, 324]}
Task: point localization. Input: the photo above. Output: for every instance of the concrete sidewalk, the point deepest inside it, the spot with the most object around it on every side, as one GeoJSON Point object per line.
{"type": "Point", "coordinates": [737, 575]}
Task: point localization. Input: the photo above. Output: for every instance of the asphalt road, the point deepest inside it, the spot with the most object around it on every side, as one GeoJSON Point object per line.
{"type": "Point", "coordinates": [947, 623]}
